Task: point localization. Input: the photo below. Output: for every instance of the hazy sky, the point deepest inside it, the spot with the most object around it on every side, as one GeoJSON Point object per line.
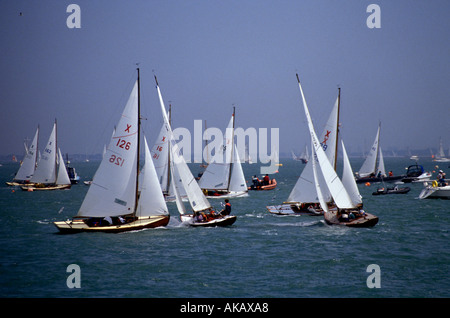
{"type": "Point", "coordinates": [210, 54]}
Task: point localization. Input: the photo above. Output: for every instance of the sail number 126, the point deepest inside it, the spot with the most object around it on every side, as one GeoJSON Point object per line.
{"type": "Point", "coordinates": [118, 161]}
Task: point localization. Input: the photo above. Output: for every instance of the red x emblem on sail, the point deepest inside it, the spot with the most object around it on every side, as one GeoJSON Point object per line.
{"type": "Point", "coordinates": [326, 137]}
{"type": "Point", "coordinates": [128, 128]}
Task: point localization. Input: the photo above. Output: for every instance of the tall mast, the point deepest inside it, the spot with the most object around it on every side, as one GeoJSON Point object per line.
{"type": "Point", "coordinates": [56, 151]}
{"type": "Point", "coordinates": [377, 155]}
{"type": "Point", "coordinates": [232, 150]}
{"type": "Point", "coordinates": [138, 143]}
{"type": "Point", "coordinates": [337, 129]}
{"type": "Point", "coordinates": [168, 149]}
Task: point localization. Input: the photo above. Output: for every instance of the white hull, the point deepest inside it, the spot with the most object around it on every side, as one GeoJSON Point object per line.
{"type": "Point", "coordinates": [435, 193]}
{"type": "Point", "coordinates": [229, 195]}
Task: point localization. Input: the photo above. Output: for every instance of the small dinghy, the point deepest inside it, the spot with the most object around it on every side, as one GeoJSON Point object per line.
{"type": "Point", "coordinates": [394, 190]}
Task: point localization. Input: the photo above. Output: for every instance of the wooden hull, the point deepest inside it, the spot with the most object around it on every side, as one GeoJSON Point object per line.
{"type": "Point", "coordinates": [17, 184]}
{"type": "Point", "coordinates": [79, 225]}
{"type": "Point", "coordinates": [32, 188]}
{"type": "Point", "coordinates": [221, 221]}
{"type": "Point", "coordinates": [367, 220]}
{"type": "Point", "coordinates": [271, 186]}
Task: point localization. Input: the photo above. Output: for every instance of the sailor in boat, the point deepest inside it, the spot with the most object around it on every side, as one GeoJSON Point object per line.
{"type": "Point", "coordinates": [227, 209]}
{"type": "Point", "coordinates": [441, 178]}
{"type": "Point", "coordinates": [256, 182]}
{"type": "Point", "coordinates": [266, 180]}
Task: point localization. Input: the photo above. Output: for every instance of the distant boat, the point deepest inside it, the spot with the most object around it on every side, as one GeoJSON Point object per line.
{"type": "Point", "coordinates": [440, 157]}
{"type": "Point", "coordinates": [303, 197]}
{"type": "Point", "coordinates": [29, 163]}
{"type": "Point", "coordinates": [225, 178]}
{"type": "Point", "coordinates": [391, 190]}
{"type": "Point", "coordinates": [51, 173]}
{"type": "Point", "coordinates": [373, 169]}
{"type": "Point", "coordinates": [121, 197]}
{"type": "Point", "coordinates": [73, 176]}
{"type": "Point", "coordinates": [348, 203]}
{"type": "Point", "coordinates": [203, 214]}
{"type": "Point", "coordinates": [263, 185]}
{"type": "Point", "coordinates": [416, 173]}
{"type": "Point", "coordinates": [304, 157]}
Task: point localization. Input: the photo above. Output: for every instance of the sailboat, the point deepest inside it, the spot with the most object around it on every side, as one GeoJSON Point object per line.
{"type": "Point", "coordinates": [225, 177]}
{"type": "Point", "coordinates": [440, 157]}
{"type": "Point", "coordinates": [162, 160]}
{"type": "Point", "coordinates": [373, 169]}
{"type": "Point", "coordinates": [345, 193]}
{"type": "Point", "coordinates": [304, 157]}
{"type": "Point", "coordinates": [202, 212]}
{"type": "Point", "coordinates": [51, 173]}
{"type": "Point", "coordinates": [29, 163]}
{"type": "Point", "coordinates": [303, 197]}
{"type": "Point", "coordinates": [121, 198]}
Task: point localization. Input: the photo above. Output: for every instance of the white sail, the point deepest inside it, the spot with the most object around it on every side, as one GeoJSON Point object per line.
{"type": "Point", "coordinates": [237, 181]}
{"type": "Point", "coordinates": [112, 192]}
{"type": "Point", "coordinates": [62, 176]}
{"type": "Point", "coordinates": [46, 169]}
{"type": "Point", "coordinates": [216, 175]}
{"type": "Point", "coordinates": [304, 190]}
{"type": "Point", "coordinates": [160, 155]}
{"type": "Point", "coordinates": [151, 199]}
{"type": "Point", "coordinates": [335, 186]}
{"type": "Point", "coordinates": [28, 166]}
{"type": "Point", "coordinates": [320, 197]}
{"type": "Point", "coordinates": [381, 167]}
{"type": "Point", "coordinates": [349, 180]}
{"type": "Point", "coordinates": [370, 164]}
{"type": "Point", "coordinates": [195, 195]}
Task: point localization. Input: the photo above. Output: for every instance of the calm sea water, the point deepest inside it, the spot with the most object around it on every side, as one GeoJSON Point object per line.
{"type": "Point", "coordinates": [261, 255]}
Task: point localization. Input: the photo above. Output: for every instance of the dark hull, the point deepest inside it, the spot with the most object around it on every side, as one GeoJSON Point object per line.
{"type": "Point", "coordinates": [392, 191]}
{"type": "Point", "coordinates": [369, 220]}
{"type": "Point", "coordinates": [221, 221]}
{"type": "Point", "coordinates": [374, 179]}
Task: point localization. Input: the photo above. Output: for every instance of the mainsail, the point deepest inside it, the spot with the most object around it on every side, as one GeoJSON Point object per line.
{"type": "Point", "coordinates": [370, 164]}
{"type": "Point", "coordinates": [217, 174]}
{"type": "Point", "coordinates": [195, 195]}
{"type": "Point", "coordinates": [46, 170]}
{"type": "Point", "coordinates": [334, 184]}
{"type": "Point", "coordinates": [28, 166]}
{"type": "Point", "coordinates": [304, 190]}
{"type": "Point", "coordinates": [112, 192]}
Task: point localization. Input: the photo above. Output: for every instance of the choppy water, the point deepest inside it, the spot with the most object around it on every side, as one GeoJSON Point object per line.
{"type": "Point", "coordinates": [261, 255]}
